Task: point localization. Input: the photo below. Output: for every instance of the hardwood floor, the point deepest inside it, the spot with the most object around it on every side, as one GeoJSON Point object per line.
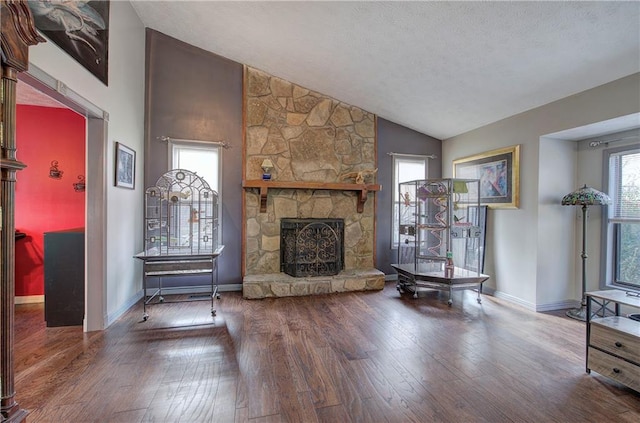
{"type": "Point", "coordinates": [354, 357]}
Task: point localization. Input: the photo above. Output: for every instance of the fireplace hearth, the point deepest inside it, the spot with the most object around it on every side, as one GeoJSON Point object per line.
{"type": "Point", "coordinates": [311, 247]}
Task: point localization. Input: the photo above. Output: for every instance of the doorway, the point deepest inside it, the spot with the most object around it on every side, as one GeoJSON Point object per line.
{"type": "Point", "coordinates": [95, 191]}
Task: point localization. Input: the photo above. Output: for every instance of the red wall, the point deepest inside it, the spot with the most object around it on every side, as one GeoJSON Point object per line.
{"type": "Point", "coordinates": [45, 204]}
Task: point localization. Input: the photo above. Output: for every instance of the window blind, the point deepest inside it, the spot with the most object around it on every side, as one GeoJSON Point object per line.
{"type": "Point", "coordinates": [624, 186]}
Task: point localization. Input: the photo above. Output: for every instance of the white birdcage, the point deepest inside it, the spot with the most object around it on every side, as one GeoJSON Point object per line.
{"type": "Point", "coordinates": [181, 215]}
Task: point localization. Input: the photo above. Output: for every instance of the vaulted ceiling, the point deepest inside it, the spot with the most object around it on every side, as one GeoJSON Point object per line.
{"type": "Point", "coordinates": [441, 68]}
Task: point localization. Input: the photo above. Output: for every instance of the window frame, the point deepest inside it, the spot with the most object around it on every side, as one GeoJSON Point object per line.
{"type": "Point", "coordinates": [172, 144]}
{"type": "Point", "coordinates": [395, 202]}
{"type": "Point", "coordinates": [611, 229]}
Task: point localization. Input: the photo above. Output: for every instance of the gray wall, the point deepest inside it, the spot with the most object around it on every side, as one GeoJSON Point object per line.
{"type": "Point", "coordinates": [195, 94]}
{"type": "Point", "coordinates": [394, 138]}
{"type": "Point", "coordinates": [519, 242]}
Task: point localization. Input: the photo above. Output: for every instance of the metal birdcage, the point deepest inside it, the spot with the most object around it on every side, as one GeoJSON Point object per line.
{"type": "Point", "coordinates": [181, 215]}
{"type": "Point", "coordinates": [441, 235]}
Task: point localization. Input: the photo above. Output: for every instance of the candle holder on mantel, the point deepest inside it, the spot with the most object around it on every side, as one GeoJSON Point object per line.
{"type": "Point", "coordinates": [267, 167]}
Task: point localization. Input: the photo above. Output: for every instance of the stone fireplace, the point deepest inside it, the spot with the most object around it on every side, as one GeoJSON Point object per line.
{"type": "Point", "coordinates": [314, 142]}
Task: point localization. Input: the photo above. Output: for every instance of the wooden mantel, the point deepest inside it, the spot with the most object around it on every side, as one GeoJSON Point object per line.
{"type": "Point", "coordinates": [361, 189]}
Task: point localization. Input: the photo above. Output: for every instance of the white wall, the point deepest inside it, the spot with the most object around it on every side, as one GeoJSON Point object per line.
{"type": "Point", "coordinates": [514, 236]}
{"type": "Point", "coordinates": [123, 100]}
{"type": "Point", "coordinates": [557, 249]}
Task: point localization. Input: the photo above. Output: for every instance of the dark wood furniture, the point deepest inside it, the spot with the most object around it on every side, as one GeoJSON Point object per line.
{"type": "Point", "coordinates": [64, 277]}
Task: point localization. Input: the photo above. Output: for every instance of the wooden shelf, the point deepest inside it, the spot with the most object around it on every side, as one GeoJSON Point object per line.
{"type": "Point", "coordinates": [361, 189]}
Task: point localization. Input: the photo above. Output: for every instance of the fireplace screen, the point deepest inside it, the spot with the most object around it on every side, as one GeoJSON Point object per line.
{"type": "Point", "coordinates": [311, 247]}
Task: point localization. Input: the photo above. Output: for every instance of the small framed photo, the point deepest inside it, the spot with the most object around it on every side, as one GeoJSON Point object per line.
{"type": "Point", "coordinates": [125, 169]}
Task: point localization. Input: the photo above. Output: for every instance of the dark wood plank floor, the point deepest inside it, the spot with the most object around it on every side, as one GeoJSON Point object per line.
{"type": "Point", "coordinates": [354, 357]}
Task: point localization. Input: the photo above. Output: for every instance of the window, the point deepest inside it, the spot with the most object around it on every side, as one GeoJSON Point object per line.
{"type": "Point", "coordinates": [623, 217]}
{"type": "Point", "coordinates": [201, 158]}
{"type": "Point", "coordinates": [405, 168]}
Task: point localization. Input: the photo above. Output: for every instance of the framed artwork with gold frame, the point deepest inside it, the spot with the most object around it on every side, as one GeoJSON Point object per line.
{"type": "Point", "coordinates": [499, 175]}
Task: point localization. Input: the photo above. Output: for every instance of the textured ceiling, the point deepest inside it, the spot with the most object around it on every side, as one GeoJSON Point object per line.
{"type": "Point", "coordinates": [441, 68]}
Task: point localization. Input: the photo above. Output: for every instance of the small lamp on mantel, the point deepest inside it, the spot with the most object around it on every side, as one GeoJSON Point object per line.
{"type": "Point", "coordinates": [267, 166]}
{"type": "Point", "coordinates": [584, 197]}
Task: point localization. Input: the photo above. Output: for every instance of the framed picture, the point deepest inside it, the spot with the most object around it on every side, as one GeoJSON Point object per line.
{"type": "Point", "coordinates": [499, 175]}
{"type": "Point", "coordinates": [125, 170]}
{"type": "Point", "coordinates": [80, 28]}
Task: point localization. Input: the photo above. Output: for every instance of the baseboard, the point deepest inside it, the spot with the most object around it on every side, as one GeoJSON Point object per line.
{"type": "Point", "coordinates": [28, 299]}
{"type": "Point", "coordinates": [232, 287]}
{"type": "Point", "coordinates": [560, 305]}
{"type": "Point", "coordinates": [510, 298]}
{"type": "Point", "coordinates": [112, 317]}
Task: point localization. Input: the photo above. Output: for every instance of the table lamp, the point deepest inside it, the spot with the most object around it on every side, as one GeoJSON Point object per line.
{"type": "Point", "coordinates": [267, 166]}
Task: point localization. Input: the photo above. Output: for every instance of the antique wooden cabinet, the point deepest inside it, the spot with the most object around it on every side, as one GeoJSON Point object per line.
{"type": "Point", "coordinates": [17, 34]}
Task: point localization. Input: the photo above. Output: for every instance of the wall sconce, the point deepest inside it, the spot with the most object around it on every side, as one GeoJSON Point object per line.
{"type": "Point", "coordinates": [267, 166]}
{"type": "Point", "coordinates": [80, 185]}
{"type": "Point", "coordinates": [54, 172]}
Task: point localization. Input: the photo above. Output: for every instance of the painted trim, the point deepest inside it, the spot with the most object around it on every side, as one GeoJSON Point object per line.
{"type": "Point", "coordinates": [61, 92]}
{"type": "Point", "coordinates": [510, 298]}
{"type": "Point", "coordinates": [29, 299]}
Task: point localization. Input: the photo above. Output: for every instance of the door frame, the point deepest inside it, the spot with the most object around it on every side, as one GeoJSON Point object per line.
{"type": "Point", "coordinates": [97, 120]}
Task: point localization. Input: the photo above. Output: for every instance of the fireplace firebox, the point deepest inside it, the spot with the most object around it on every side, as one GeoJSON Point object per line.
{"type": "Point", "coordinates": [311, 247]}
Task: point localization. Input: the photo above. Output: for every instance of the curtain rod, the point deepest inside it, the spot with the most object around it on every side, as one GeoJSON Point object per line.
{"type": "Point", "coordinates": [597, 143]}
{"type": "Point", "coordinates": [223, 144]}
{"type": "Point", "coordinates": [428, 156]}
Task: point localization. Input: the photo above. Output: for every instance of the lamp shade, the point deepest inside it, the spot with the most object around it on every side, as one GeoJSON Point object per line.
{"type": "Point", "coordinates": [586, 196]}
{"type": "Point", "coordinates": [266, 165]}
{"type": "Point", "coordinates": [460, 187]}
